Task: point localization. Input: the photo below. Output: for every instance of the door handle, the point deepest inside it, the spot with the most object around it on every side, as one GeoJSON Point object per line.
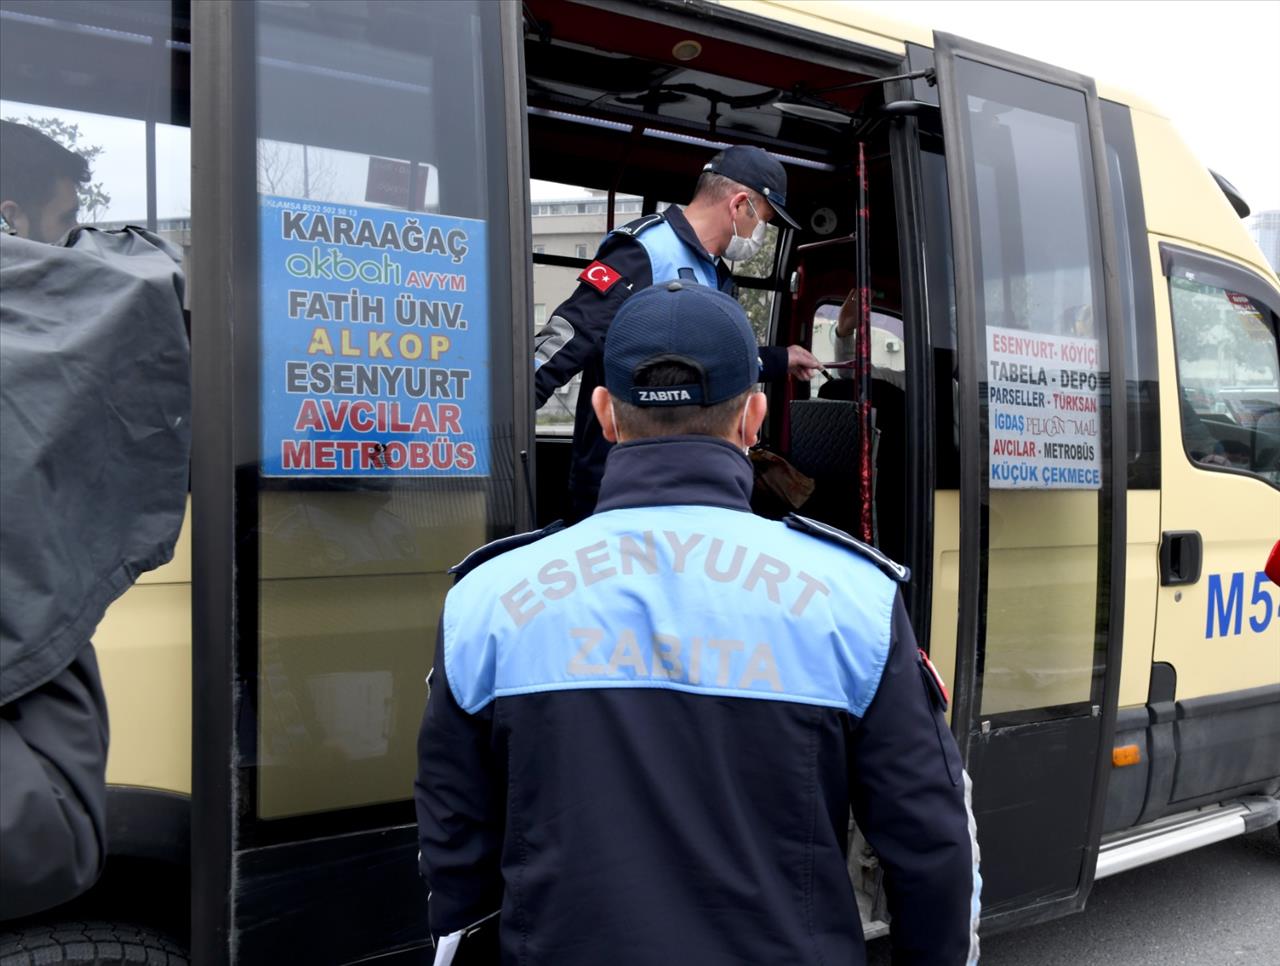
{"type": "Point", "coordinates": [1181, 555]}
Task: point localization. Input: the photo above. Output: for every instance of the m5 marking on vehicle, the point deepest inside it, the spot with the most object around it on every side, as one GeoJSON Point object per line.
{"type": "Point", "coordinates": [1225, 610]}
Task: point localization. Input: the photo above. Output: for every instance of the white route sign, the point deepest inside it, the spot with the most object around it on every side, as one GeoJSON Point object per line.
{"type": "Point", "coordinates": [1043, 411]}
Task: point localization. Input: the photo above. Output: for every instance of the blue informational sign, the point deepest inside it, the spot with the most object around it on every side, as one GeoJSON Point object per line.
{"type": "Point", "coordinates": [375, 342]}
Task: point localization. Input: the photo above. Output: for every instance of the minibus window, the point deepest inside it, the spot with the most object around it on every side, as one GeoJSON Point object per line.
{"type": "Point", "coordinates": [569, 221]}
{"type": "Point", "coordinates": [888, 353]}
{"type": "Point", "coordinates": [940, 288]}
{"type": "Point", "coordinates": [385, 414]}
{"type": "Point", "coordinates": [758, 302]}
{"type": "Point", "coordinates": [1045, 386]}
{"type": "Point", "coordinates": [1033, 280]}
{"type": "Point", "coordinates": [1228, 378]}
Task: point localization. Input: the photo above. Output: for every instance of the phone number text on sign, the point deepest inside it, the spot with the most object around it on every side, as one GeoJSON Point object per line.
{"type": "Point", "coordinates": [1043, 411]}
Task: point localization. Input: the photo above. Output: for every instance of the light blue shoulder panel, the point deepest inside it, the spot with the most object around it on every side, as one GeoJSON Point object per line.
{"type": "Point", "coordinates": [696, 599]}
{"type": "Point", "coordinates": [668, 254]}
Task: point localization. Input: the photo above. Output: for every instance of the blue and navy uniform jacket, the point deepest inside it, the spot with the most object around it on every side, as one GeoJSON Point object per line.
{"type": "Point", "coordinates": [645, 734]}
{"type": "Point", "coordinates": [654, 248]}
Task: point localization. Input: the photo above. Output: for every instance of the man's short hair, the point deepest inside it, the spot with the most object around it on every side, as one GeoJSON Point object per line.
{"type": "Point", "coordinates": [644, 422]}
{"type": "Point", "coordinates": [31, 163]}
{"type": "Point", "coordinates": [712, 187]}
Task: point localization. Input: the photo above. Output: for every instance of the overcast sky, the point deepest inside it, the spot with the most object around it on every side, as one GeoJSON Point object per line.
{"type": "Point", "coordinates": [1212, 68]}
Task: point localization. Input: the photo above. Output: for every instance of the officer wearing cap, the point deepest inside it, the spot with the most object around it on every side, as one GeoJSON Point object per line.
{"type": "Point", "coordinates": [739, 191]}
{"type": "Point", "coordinates": [645, 732]}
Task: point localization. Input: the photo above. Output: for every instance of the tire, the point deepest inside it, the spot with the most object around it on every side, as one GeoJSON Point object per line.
{"type": "Point", "coordinates": [88, 943]}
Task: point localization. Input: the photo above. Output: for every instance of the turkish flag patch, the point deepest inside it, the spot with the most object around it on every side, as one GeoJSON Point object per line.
{"type": "Point", "coordinates": [600, 277]}
{"type": "Point", "coordinates": [932, 674]}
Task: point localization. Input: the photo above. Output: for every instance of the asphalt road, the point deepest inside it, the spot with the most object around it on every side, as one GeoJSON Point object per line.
{"type": "Point", "coordinates": [1216, 906]}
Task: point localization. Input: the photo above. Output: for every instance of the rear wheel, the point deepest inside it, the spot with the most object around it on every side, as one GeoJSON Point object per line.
{"type": "Point", "coordinates": [89, 943]}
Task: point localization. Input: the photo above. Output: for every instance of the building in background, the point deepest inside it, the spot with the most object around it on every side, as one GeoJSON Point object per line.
{"type": "Point", "coordinates": [1264, 228]}
{"type": "Point", "coordinates": [570, 228]}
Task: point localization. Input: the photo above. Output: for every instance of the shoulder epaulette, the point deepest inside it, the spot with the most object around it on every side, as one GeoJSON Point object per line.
{"type": "Point", "coordinates": [634, 228]}
{"type": "Point", "coordinates": [891, 569]}
{"type": "Point", "coordinates": [497, 548]}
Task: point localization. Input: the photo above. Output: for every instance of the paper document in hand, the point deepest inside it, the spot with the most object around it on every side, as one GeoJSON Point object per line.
{"type": "Point", "coordinates": [447, 948]}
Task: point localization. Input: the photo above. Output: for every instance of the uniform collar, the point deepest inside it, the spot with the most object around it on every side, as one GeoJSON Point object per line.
{"type": "Point", "coordinates": [684, 231]}
{"type": "Point", "coordinates": [676, 471]}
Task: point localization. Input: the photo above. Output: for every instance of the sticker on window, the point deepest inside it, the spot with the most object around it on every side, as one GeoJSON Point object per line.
{"type": "Point", "coordinates": [375, 358]}
{"type": "Point", "coordinates": [1043, 411]}
{"type": "Point", "coordinates": [1255, 325]}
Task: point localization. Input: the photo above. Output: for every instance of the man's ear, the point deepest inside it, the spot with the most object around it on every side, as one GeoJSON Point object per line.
{"type": "Point", "coordinates": [757, 409]}
{"type": "Point", "coordinates": [15, 218]}
{"type": "Point", "coordinates": [604, 413]}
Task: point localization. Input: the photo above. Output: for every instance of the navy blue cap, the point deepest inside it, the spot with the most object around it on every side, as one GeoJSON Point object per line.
{"type": "Point", "coordinates": [681, 322]}
{"type": "Point", "coordinates": [757, 169]}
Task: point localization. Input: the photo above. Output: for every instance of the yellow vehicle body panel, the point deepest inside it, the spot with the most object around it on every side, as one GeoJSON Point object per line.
{"type": "Point", "coordinates": [1238, 517]}
{"type": "Point", "coordinates": [1041, 599]}
{"type": "Point", "coordinates": [351, 588]}
{"type": "Point", "coordinates": [342, 684]}
{"type": "Point", "coordinates": [946, 585]}
{"type": "Point", "coordinates": [837, 20]}
{"type": "Point", "coordinates": [144, 653]}
{"type": "Point", "coordinates": [1141, 581]}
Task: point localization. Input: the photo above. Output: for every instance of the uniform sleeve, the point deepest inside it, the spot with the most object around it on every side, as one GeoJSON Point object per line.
{"type": "Point", "coordinates": [575, 331]}
{"type": "Point", "coordinates": [53, 746]}
{"type": "Point", "coordinates": [911, 798]}
{"type": "Point", "coordinates": [460, 799]}
{"type": "Point", "coordinates": [773, 358]}
{"type": "Point", "coordinates": [773, 363]}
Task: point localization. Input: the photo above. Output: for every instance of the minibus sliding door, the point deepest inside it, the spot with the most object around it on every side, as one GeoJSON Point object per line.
{"type": "Point", "coordinates": [1041, 496]}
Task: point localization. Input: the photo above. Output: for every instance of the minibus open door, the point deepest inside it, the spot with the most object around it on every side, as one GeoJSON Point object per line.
{"type": "Point", "coordinates": [1042, 526]}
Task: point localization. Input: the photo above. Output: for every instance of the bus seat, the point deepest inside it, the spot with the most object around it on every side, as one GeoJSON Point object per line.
{"type": "Point", "coordinates": [846, 389]}
{"type": "Point", "coordinates": [824, 446]}
{"type": "Point", "coordinates": [889, 418]}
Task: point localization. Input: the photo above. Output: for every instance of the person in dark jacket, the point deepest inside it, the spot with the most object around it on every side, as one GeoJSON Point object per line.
{"type": "Point", "coordinates": [645, 732]}
{"type": "Point", "coordinates": [740, 190]}
{"type": "Point", "coordinates": [95, 418]}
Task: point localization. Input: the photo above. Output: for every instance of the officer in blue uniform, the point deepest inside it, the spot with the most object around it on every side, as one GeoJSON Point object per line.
{"type": "Point", "coordinates": [645, 732]}
{"type": "Point", "coordinates": [739, 191]}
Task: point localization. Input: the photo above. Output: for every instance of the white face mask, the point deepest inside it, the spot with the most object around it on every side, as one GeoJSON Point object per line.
{"type": "Point", "coordinates": [740, 249]}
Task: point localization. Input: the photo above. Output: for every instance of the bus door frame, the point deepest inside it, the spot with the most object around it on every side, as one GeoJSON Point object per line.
{"type": "Point", "coordinates": [971, 618]}
{"type": "Point", "coordinates": [904, 160]}
{"type": "Point", "coordinates": [225, 373]}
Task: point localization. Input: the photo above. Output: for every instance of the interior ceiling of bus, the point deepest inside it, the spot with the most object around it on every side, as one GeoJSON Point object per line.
{"type": "Point", "coordinates": [651, 99]}
{"type": "Point", "coordinates": [99, 57]}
